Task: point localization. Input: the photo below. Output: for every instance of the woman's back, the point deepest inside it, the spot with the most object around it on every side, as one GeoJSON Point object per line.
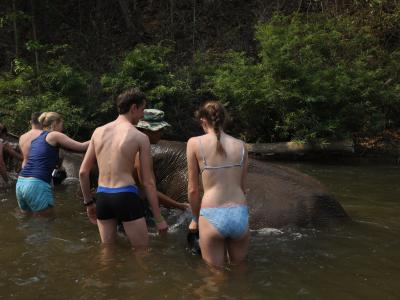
{"type": "Point", "coordinates": [42, 159]}
{"type": "Point", "coordinates": [222, 173]}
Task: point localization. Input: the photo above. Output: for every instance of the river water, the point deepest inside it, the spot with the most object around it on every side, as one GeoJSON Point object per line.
{"type": "Point", "coordinates": [63, 259]}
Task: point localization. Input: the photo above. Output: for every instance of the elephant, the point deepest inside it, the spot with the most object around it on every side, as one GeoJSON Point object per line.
{"type": "Point", "coordinates": [277, 196]}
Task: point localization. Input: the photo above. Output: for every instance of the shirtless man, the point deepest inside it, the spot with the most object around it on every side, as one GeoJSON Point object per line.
{"type": "Point", "coordinates": [114, 146]}
{"type": "Point", "coordinates": [26, 139]}
{"type": "Point", "coordinates": [3, 168]}
{"type": "Point", "coordinates": [5, 147]}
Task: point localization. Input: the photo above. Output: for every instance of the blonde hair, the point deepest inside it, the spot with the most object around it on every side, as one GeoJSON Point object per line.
{"type": "Point", "coordinates": [47, 119]}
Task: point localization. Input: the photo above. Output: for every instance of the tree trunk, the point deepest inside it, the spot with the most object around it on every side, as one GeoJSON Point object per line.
{"type": "Point", "coordinates": [35, 36]}
{"type": "Point", "coordinates": [15, 29]}
{"type": "Point", "coordinates": [293, 148]}
{"type": "Point", "coordinates": [127, 15]}
{"type": "Point", "coordinates": [194, 26]}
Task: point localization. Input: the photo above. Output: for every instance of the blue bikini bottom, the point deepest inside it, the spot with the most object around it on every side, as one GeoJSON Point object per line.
{"type": "Point", "coordinates": [231, 222]}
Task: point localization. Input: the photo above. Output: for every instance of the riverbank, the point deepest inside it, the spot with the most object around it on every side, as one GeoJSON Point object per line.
{"type": "Point", "coordinates": [383, 148]}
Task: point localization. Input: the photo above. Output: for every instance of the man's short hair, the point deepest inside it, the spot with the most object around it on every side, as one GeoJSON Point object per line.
{"type": "Point", "coordinates": [35, 118]}
{"type": "Point", "coordinates": [129, 97]}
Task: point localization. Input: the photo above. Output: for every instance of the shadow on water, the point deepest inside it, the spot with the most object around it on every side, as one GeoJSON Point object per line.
{"type": "Point", "coordinates": [63, 259]}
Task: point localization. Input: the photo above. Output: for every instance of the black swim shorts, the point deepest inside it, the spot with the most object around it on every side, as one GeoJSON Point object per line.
{"type": "Point", "coordinates": [123, 206]}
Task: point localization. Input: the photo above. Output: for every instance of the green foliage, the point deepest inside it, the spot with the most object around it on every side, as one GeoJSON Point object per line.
{"type": "Point", "coordinates": [144, 67]}
{"type": "Point", "coordinates": [57, 88]}
{"type": "Point", "coordinates": [318, 80]}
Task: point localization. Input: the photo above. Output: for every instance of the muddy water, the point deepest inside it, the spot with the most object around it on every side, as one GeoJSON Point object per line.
{"type": "Point", "coordinates": [62, 258]}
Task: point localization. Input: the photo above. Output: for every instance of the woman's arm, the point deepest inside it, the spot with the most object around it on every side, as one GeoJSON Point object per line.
{"type": "Point", "coordinates": [193, 183]}
{"type": "Point", "coordinates": [56, 138]}
{"type": "Point", "coordinates": [244, 171]}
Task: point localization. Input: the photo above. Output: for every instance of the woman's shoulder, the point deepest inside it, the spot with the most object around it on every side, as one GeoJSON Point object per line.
{"type": "Point", "coordinates": [196, 139]}
{"type": "Point", "coordinates": [194, 142]}
{"type": "Point", "coordinates": [234, 140]}
{"type": "Point", "coordinates": [52, 134]}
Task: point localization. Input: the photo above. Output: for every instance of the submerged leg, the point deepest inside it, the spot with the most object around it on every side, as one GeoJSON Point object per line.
{"type": "Point", "coordinates": [237, 249]}
{"type": "Point", "coordinates": [212, 243]}
{"type": "Point", "coordinates": [137, 233]}
{"type": "Point", "coordinates": [46, 213]}
{"type": "Point", "coordinates": [108, 230]}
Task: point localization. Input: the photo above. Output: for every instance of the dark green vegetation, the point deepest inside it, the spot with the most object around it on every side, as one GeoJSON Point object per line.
{"type": "Point", "coordinates": [305, 70]}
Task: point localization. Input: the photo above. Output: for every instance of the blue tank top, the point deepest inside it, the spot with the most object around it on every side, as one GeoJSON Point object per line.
{"type": "Point", "coordinates": [42, 159]}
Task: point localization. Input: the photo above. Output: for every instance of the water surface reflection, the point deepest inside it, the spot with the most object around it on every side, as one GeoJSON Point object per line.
{"type": "Point", "coordinates": [63, 259]}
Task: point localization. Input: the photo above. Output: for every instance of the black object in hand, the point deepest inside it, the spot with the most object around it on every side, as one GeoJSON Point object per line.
{"type": "Point", "coordinates": [193, 242]}
{"type": "Point", "coordinates": [58, 176]}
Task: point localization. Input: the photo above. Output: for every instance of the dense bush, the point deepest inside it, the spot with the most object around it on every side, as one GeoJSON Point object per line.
{"type": "Point", "coordinates": [315, 77]}
{"type": "Point", "coordinates": [56, 88]}
{"type": "Point", "coordinates": [324, 79]}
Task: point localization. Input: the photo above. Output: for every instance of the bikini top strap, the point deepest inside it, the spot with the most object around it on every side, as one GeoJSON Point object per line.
{"type": "Point", "coordinates": [241, 161]}
{"type": "Point", "coordinates": [202, 152]}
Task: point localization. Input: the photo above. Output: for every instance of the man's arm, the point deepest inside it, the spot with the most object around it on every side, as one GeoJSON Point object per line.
{"type": "Point", "coordinates": [3, 169]}
{"type": "Point", "coordinates": [169, 202]}
{"type": "Point", "coordinates": [193, 184]}
{"type": "Point", "coordinates": [12, 152]}
{"type": "Point", "coordinates": [148, 182]}
{"type": "Point", "coordinates": [84, 177]}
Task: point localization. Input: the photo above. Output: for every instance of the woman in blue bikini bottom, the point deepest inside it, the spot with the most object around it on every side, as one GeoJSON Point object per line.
{"type": "Point", "coordinates": [230, 221]}
{"type": "Point", "coordinates": [221, 216]}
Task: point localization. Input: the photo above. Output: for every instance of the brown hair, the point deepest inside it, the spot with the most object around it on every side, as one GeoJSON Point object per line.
{"type": "Point", "coordinates": [215, 114]}
{"type": "Point", "coordinates": [47, 119]}
{"type": "Point", "coordinates": [128, 98]}
{"type": "Point", "coordinates": [35, 118]}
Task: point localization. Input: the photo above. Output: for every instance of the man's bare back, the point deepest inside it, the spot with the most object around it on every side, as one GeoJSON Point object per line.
{"type": "Point", "coordinates": [116, 145]}
{"type": "Point", "coordinates": [25, 141]}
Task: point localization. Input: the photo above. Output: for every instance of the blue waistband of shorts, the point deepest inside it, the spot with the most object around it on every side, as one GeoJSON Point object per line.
{"type": "Point", "coordinates": [122, 189]}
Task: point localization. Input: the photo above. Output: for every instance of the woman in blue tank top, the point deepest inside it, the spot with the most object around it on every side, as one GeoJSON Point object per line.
{"type": "Point", "coordinates": [221, 215]}
{"type": "Point", "coordinates": [33, 189]}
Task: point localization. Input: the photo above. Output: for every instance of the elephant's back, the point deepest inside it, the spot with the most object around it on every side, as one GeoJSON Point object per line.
{"type": "Point", "coordinates": [280, 196]}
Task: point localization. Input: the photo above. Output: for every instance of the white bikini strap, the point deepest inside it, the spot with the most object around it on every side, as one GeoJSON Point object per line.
{"type": "Point", "coordinates": [202, 152]}
{"type": "Point", "coordinates": [241, 161]}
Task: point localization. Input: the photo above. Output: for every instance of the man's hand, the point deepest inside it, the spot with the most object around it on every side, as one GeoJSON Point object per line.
{"type": "Point", "coordinates": [162, 227]}
{"type": "Point", "coordinates": [91, 213]}
{"type": "Point", "coordinates": [193, 226]}
{"type": "Point", "coordinates": [185, 206]}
